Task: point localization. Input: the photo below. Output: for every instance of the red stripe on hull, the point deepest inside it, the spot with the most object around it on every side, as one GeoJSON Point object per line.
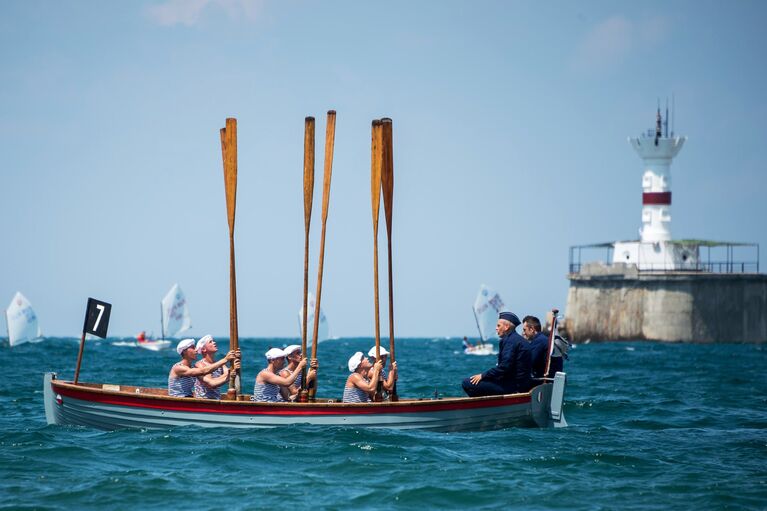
{"type": "Point", "coordinates": [254, 408]}
{"type": "Point", "coordinates": [656, 199]}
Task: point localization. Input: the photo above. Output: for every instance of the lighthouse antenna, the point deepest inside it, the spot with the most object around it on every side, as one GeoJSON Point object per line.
{"type": "Point", "coordinates": [665, 121]}
{"type": "Point", "coordinates": [672, 114]}
{"type": "Point", "coordinates": [658, 125]}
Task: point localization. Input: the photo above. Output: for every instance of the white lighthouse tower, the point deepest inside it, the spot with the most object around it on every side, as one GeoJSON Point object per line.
{"type": "Point", "coordinates": [657, 154]}
{"type": "Point", "coordinates": [655, 250]}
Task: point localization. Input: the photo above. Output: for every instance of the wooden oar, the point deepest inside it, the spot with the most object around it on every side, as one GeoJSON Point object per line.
{"type": "Point", "coordinates": [308, 196]}
{"type": "Point", "coordinates": [554, 313]}
{"type": "Point", "coordinates": [387, 184]}
{"type": "Point", "coordinates": [229, 155]}
{"type": "Point", "coordinates": [330, 135]}
{"type": "Point", "coordinates": [375, 194]}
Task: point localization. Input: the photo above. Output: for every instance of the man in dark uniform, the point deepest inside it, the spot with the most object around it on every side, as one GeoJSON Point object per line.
{"type": "Point", "coordinates": [512, 372]}
{"type": "Point", "coordinates": [539, 349]}
{"type": "Point", "coordinates": [539, 344]}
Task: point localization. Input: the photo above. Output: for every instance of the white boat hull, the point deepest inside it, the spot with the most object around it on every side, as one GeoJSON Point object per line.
{"type": "Point", "coordinates": [154, 345]}
{"type": "Point", "coordinates": [485, 349]}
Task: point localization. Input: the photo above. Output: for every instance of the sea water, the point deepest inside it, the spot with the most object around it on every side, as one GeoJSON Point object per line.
{"type": "Point", "coordinates": [652, 426]}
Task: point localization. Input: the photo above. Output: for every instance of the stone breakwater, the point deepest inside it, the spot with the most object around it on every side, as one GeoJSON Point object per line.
{"type": "Point", "coordinates": [618, 302]}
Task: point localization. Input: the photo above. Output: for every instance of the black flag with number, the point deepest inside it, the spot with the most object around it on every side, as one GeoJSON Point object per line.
{"type": "Point", "coordinates": [97, 318]}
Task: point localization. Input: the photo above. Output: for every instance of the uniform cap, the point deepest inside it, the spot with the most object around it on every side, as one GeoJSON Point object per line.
{"type": "Point", "coordinates": [183, 345]}
{"type": "Point", "coordinates": [372, 352]}
{"type": "Point", "coordinates": [274, 353]}
{"type": "Point", "coordinates": [355, 360]}
{"type": "Point", "coordinates": [202, 342]}
{"type": "Point", "coordinates": [510, 317]}
{"type": "Point", "coordinates": [292, 349]}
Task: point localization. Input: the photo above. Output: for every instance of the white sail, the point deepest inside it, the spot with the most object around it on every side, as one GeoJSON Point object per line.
{"type": "Point", "coordinates": [22, 321]}
{"type": "Point", "coordinates": [175, 313]}
{"type": "Point", "coordinates": [487, 306]}
{"type": "Point", "coordinates": [322, 334]}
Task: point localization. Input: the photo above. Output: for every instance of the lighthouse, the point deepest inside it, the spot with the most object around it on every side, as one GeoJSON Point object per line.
{"type": "Point", "coordinates": [656, 153]}
{"type": "Point", "coordinates": [662, 289]}
{"type": "Point", "coordinates": [654, 250]}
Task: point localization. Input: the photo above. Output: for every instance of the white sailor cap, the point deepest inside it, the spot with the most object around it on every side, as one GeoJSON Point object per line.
{"type": "Point", "coordinates": [292, 349]}
{"type": "Point", "coordinates": [355, 360]}
{"type": "Point", "coordinates": [274, 353]}
{"type": "Point", "coordinates": [202, 342]}
{"type": "Point", "coordinates": [372, 352]}
{"type": "Point", "coordinates": [183, 345]}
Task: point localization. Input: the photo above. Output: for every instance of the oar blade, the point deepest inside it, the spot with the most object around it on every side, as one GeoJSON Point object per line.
{"type": "Point", "coordinates": [229, 150]}
{"type": "Point", "coordinates": [330, 138]}
{"type": "Point", "coordinates": [375, 170]}
{"type": "Point", "coordinates": [308, 169]}
{"type": "Point", "coordinates": [387, 170]}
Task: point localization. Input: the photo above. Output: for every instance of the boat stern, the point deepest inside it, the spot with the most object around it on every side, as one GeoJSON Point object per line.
{"type": "Point", "coordinates": [547, 403]}
{"type": "Point", "coordinates": [558, 401]}
{"type": "Point", "coordinates": [49, 398]}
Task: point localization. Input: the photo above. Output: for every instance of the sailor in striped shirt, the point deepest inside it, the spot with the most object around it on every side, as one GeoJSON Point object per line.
{"type": "Point", "coordinates": [294, 355]}
{"type": "Point", "coordinates": [269, 385]}
{"type": "Point", "coordinates": [361, 384]}
{"type": "Point", "coordinates": [182, 375]}
{"type": "Point", "coordinates": [208, 386]}
{"type": "Point", "coordinates": [387, 379]}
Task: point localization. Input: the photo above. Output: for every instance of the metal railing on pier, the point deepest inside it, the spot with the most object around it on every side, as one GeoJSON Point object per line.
{"type": "Point", "coordinates": [707, 257]}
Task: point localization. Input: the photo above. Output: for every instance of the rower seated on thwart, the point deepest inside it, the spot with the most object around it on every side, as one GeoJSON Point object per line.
{"type": "Point", "coordinates": [182, 375]}
{"type": "Point", "coordinates": [361, 384]}
{"type": "Point", "coordinates": [270, 386]}
{"type": "Point", "coordinates": [294, 356]}
{"type": "Point", "coordinates": [209, 385]}
{"type": "Point", "coordinates": [387, 379]}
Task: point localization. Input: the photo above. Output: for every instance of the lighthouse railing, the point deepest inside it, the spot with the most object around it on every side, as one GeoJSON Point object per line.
{"type": "Point", "coordinates": [704, 257]}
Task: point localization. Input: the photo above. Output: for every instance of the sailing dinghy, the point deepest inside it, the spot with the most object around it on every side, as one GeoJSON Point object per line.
{"type": "Point", "coordinates": [174, 320]}
{"type": "Point", "coordinates": [322, 334]}
{"type": "Point", "coordinates": [486, 308]}
{"type": "Point", "coordinates": [22, 322]}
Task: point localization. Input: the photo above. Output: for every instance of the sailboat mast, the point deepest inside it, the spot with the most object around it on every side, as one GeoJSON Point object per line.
{"type": "Point", "coordinates": [8, 329]}
{"type": "Point", "coordinates": [162, 321]}
{"type": "Point", "coordinates": [476, 320]}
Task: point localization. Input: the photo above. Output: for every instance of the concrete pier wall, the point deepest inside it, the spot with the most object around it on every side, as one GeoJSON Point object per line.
{"type": "Point", "coordinates": [617, 302]}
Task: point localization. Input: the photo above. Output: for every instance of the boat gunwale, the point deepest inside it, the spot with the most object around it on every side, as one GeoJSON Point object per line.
{"type": "Point", "coordinates": [149, 397]}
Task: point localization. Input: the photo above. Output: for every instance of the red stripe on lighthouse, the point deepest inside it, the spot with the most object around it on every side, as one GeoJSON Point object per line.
{"type": "Point", "coordinates": [656, 198]}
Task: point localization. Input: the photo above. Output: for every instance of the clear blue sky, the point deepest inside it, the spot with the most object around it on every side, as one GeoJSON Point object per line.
{"type": "Point", "coordinates": [510, 126]}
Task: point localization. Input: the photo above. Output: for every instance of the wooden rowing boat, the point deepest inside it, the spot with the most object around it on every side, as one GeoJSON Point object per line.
{"type": "Point", "coordinates": [108, 406]}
